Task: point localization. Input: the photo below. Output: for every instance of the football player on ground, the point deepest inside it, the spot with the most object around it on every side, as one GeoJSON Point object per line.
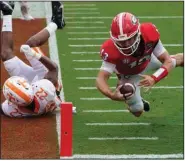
{"type": "Point", "coordinates": [132, 49]}
{"type": "Point", "coordinates": [31, 90]}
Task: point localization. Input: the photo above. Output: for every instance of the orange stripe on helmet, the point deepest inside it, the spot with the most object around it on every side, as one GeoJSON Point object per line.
{"type": "Point", "coordinates": [16, 90]}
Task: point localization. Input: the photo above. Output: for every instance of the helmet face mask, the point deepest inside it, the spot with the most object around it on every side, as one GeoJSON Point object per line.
{"type": "Point", "coordinates": [125, 33]}
{"type": "Point", "coordinates": [18, 91]}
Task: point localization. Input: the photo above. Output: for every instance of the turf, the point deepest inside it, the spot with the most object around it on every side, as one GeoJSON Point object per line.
{"type": "Point", "coordinates": [166, 115]}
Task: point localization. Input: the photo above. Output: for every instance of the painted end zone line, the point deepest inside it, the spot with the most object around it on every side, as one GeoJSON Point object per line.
{"type": "Point", "coordinates": [100, 111]}
{"type": "Point", "coordinates": [118, 124]}
{"type": "Point", "coordinates": [130, 156]}
{"type": "Point", "coordinates": [157, 87]}
{"type": "Point", "coordinates": [123, 138]}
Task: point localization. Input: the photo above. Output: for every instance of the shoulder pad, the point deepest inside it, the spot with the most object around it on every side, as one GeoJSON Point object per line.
{"type": "Point", "coordinates": [149, 32]}
{"type": "Point", "coordinates": [108, 52]}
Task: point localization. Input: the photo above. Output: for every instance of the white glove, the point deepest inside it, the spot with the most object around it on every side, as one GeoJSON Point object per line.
{"type": "Point", "coordinates": [30, 52]}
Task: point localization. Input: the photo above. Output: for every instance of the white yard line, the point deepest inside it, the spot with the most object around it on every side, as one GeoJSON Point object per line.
{"type": "Point", "coordinates": [89, 33]}
{"type": "Point", "coordinates": [85, 22]}
{"type": "Point", "coordinates": [122, 138]}
{"type": "Point", "coordinates": [103, 111]}
{"type": "Point", "coordinates": [140, 17]}
{"type": "Point", "coordinates": [77, 5]}
{"type": "Point", "coordinates": [84, 52]}
{"type": "Point", "coordinates": [98, 45]}
{"type": "Point", "coordinates": [86, 68]}
{"type": "Point", "coordinates": [82, 13]}
{"type": "Point", "coordinates": [81, 9]}
{"type": "Point", "coordinates": [86, 27]}
{"type": "Point", "coordinates": [156, 87]}
{"type": "Point", "coordinates": [128, 156]}
{"type": "Point", "coordinates": [92, 78]}
{"type": "Point", "coordinates": [86, 38]}
{"type": "Point", "coordinates": [95, 99]}
{"type": "Point", "coordinates": [88, 60]}
{"type": "Point", "coordinates": [118, 124]}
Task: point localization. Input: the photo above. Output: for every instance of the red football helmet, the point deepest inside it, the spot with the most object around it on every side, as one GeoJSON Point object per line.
{"type": "Point", "coordinates": [125, 33]}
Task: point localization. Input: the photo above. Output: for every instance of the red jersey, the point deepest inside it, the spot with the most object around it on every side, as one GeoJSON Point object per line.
{"type": "Point", "coordinates": [131, 65]}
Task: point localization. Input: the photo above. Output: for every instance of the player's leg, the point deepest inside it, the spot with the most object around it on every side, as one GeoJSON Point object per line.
{"type": "Point", "coordinates": [136, 105]}
{"type": "Point", "coordinates": [42, 37]}
{"type": "Point", "coordinates": [6, 35]}
{"type": "Point", "coordinates": [179, 58]}
{"type": "Point", "coordinates": [13, 64]}
{"type": "Point", "coordinates": [25, 10]}
{"type": "Point", "coordinates": [37, 40]}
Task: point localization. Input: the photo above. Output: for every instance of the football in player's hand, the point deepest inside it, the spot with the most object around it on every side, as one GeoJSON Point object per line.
{"type": "Point", "coordinates": [127, 89]}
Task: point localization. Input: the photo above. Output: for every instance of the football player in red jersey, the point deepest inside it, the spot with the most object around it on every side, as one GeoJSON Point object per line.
{"type": "Point", "coordinates": [132, 50]}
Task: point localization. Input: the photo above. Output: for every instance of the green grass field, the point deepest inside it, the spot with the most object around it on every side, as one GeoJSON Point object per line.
{"type": "Point", "coordinates": [89, 24]}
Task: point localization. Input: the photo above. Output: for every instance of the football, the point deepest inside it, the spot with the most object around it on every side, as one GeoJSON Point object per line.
{"type": "Point", "coordinates": [128, 89]}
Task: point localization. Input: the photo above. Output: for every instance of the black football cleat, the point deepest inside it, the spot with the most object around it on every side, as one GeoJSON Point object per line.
{"type": "Point", "coordinates": [57, 14]}
{"type": "Point", "coordinates": [146, 105]}
{"type": "Point", "coordinates": [7, 7]}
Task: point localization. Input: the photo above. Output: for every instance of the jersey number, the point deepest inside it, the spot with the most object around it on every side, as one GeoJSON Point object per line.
{"type": "Point", "coordinates": [41, 94]}
{"type": "Point", "coordinates": [139, 61]}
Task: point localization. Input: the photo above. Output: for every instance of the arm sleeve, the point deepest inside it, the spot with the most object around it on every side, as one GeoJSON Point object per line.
{"type": "Point", "coordinates": [109, 67]}
{"type": "Point", "coordinates": [159, 49]}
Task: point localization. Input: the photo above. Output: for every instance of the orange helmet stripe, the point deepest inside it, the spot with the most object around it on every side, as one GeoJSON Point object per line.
{"type": "Point", "coordinates": [16, 90]}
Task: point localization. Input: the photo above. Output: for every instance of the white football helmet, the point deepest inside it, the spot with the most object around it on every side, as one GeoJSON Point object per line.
{"type": "Point", "coordinates": [44, 89]}
{"type": "Point", "coordinates": [18, 91]}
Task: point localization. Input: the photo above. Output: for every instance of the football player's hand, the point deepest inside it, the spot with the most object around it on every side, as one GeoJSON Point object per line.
{"type": "Point", "coordinates": [117, 96]}
{"type": "Point", "coordinates": [147, 81]}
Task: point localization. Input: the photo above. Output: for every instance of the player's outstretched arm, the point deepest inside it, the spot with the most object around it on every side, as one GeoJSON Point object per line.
{"type": "Point", "coordinates": [41, 37]}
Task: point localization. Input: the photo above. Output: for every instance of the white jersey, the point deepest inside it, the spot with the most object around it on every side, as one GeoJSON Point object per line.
{"type": "Point", "coordinates": [45, 100]}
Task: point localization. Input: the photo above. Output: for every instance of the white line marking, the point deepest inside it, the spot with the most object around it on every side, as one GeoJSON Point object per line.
{"type": "Point", "coordinates": [53, 49]}
{"type": "Point", "coordinates": [92, 78]}
{"type": "Point", "coordinates": [98, 45]}
{"type": "Point", "coordinates": [123, 138]}
{"type": "Point", "coordinates": [80, 9]}
{"type": "Point", "coordinates": [85, 22]}
{"type": "Point", "coordinates": [84, 52]}
{"type": "Point", "coordinates": [93, 99]}
{"type": "Point", "coordinates": [87, 60]}
{"type": "Point", "coordinates": [118, 124]}
{"type": "Point", "coordinates": [130, 156]}
{"type": "Point", "coordinates": [90, 33]}
{"type": "Point", "coordinates": [86, 38]}
{"type": "Point", "coordinates": [156, 87]}
{"type": "Point", "coordinates": [82, 27]}
{"type": "Point", "coordinates": [86, 68]}
{"type": "Point", "coordinates": [75, 5]}
{"type": "Point", "coordinates": [140, 17]}
{"type": "Point", "coordinates": [81, 13]}
{"type": "Point", "coordinates": [104, 111]}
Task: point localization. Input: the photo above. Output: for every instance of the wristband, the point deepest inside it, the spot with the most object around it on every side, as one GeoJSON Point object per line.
{"type": "Point", "coordinates": [160, 74]}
